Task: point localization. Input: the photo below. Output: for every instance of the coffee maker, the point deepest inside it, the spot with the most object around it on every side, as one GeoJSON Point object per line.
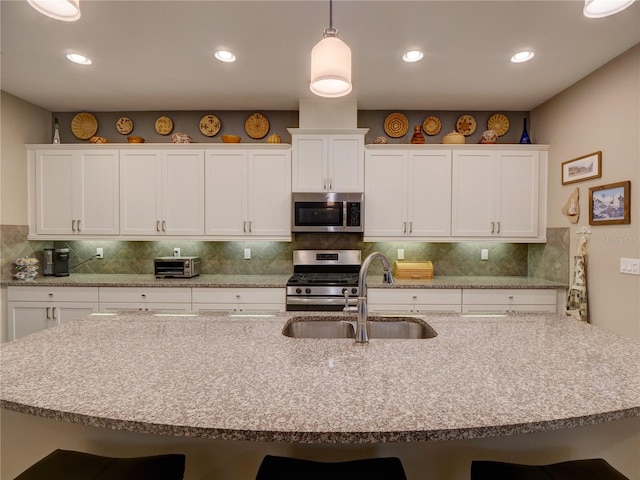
{"type": "Point", "coordinates": [61, 262]}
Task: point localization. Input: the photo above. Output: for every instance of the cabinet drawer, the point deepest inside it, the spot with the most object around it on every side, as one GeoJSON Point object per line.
{"type": "Point", "coordinates": [143, 294]}
{"type": "Point", "coordinates": [52, 294]}
{"type": "Point", "coordinates": [502, 308]}
{"type": "Point", "coordinates": [503, 296]}
{"type": "Point", "coordinates": [239, 295]}
{"type": "Point", "coordinates": [412, 296]}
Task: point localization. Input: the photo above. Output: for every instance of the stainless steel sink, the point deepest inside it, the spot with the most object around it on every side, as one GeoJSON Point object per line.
{"type": "Point", "coordinates": [377, 327]}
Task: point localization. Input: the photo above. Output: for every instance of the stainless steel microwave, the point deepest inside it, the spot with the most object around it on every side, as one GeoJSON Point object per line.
{"type": "Point", "coordinates": [176, 267]}
{"type": "Point", "coordinates": [328, 212]}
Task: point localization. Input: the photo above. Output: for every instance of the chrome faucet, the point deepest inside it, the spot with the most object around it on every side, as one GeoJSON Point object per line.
{"type": "Point", "coordinates": [361, 308]}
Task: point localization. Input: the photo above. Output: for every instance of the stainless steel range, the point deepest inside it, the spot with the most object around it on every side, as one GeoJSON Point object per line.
{"type": "Point", "coordinates": [321, 278]}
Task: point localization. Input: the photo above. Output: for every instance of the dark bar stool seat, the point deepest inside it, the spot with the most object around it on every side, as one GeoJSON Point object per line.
{"type": "Point", "coordinates": [590, 469]}
{"type": "Point", "coordinates": [70, 465]}
{"type": "Point", "coordinates": [285, 468]}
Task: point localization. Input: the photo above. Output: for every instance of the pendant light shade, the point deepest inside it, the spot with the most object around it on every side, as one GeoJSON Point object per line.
{"type": "Point", "coordinates": [65, 10]}
{"type": "Point", "coordinates": [331, 64]}
{"type": "Point", "coordinates": [604, 8]}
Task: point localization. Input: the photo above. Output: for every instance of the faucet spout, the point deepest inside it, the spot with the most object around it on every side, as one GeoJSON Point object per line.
{"type": "Point", "coordinates": [361, 327]}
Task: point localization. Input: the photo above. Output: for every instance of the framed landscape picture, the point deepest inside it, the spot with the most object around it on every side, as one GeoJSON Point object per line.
{"type": "Point", "coordinates": [582, 168]}
{"type": "Point", "coordinates": [610, 204]}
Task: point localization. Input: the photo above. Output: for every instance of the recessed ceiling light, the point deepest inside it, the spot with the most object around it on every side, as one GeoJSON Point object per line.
{"type": "Point", "coordinates": [523, 56]}
{"type": "Point", "coordinates": [78, 58]}
{"type": "Point", "coordinates": [604, 8]}
{"type": "Point", "coordinates": [412, 56]}
{"type": "Point", "coordinates": [65, 10]}
{"type": "Point", "coordinates": [225, 56]}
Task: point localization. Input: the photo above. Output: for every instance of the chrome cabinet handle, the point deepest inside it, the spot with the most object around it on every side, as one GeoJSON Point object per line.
{"type": "Point", "coordinates": [249, 226]}
{"type": "Point", "coordinates": [244, 226]}
{"type": "Point", "coordinates": [411, 227]}
{"type": "Point", "coordinates": [324, 183]}
{"type": "Point", "coordinates": [493, 227]}
{"type": "Point", "coordinates": [404, 228]}
{"type": "Point", "coordinates": [498, 228]}
{"type": "Point", "coordinates": [157, 225]}
{"type": "Point", "coordinates": [79, 229]}
{"type": "Point", "coordinates": [330, 184]}
{"type": "Point", "coordinates": [73, 225]}
{"type": "Point", "coordinates": [55, 316]}
{"type": "Point", "coordinates": [48, 313]}
{"type": "Point", "coordinates": [164, 225]}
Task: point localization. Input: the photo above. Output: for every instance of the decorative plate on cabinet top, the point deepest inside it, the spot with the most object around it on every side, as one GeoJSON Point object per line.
{"type": "Point", "coordinates": [466, 125]}
{"type": "Point", "coordinates": [84, 125]}
{"type": "Point", "coordinates": [164, 125]}
{"type": "Point", "coordinates": [499, 123]}
{"type": "Point", "coordinates": [256, 125]}
{"type": "Point", "coordinates": [209, 125]}
{"type": "Point", "coordinates": [124, 125]}
{"type": "Point", "coordinates": [396, 125]}
{"type": "Point", "coordinates": [431, 125]}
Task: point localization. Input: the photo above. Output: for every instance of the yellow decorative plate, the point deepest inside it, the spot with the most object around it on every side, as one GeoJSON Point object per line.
{"type": "Point", "coordinates": [164, 125]}
{"type": "Point", "coordinates": [431, 125]}
{"type": "Point", "coordinates": [84, 125]}
{"type": "Point", "coordinates": [124, 125]}
{"type": "Point", "coordinates": [499, 123]}
{"type": "Point", "coordinates": [466, 125]}
{"type": "Point", "coordinates": [256, 125]}
{"type": "Point", "coordinates": [209, 125]}
{"type": "Point", "coordinates": [396, 125]}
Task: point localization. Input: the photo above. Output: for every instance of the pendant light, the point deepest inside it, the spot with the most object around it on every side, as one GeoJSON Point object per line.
{"type": "Point", "coordinates": [331, 64]}
{"type": "Point", "coordinates": [65, 10]}
{"type": "Point", "coordinates": [604, 8]}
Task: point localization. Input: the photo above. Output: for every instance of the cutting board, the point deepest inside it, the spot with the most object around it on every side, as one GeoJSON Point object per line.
{"type": "Point", "coordinates": [413, 270]}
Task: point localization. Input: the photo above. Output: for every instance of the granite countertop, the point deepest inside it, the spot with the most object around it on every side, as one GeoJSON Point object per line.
{"type": "Point", "coordinates": [276, 281]}
{"type": "Point", "coordinates": [238, 378]}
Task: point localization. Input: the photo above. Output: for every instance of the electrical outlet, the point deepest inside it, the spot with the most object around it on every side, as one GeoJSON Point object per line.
{"type": "Point", "coordinates": [99, 253]}
{"type": "Point", "coordinates": [247, 254]}
{"type": "Point", "coordinates": [630, 266]}
{"type": "Point", "coordinates": [401, 254]}
{"type": "Point", "coordinates": [484, 254]}
{"type": "Point", "coordinates": [176, 251]}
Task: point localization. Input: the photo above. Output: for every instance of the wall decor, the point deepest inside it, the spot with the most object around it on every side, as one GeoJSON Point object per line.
{"type": "Point", "coordinates": [396, 124]}
{"type": "Point", "coordinates": [164, 125]}
{"type": "Point", "coordinates": [610, 204]}
{"type": "Point", "coordinates": [582, 168]}
{"type": "Point", "coordinates": [84, 125]}
{"type": "Point", "coordinates": [572, 208]}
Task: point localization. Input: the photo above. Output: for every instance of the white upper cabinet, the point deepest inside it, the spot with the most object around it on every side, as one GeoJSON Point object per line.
{"type": "Point", "coordinates": [407, 194]}
{"type": "Point", "coordinates": [328, 162]}
{"type": "Point", "coordinates": [248, 194]}
{"type": "Point", "coordinates": [162, 192]}
{"type": "Point", "coordinates": [496, 194]}
{"type": "Point", "coordinates": [76, 192]}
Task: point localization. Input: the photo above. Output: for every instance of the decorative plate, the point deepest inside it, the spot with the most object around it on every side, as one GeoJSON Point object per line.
{"type": "Point", "coordinates": [396, 125]}
{"type": "Point", "coordinates": [209, 125]}
{"type": "Point", "coordinates": [431, 125]}
{"type": "Point", "coordinates": [256, 125]}
{"type": "Point", "coordinates": [84, 125]}
{"type": "Point", "coordinates": [164, 125]}
{"type": "Point", "coordinates": [466, 125]}
{"type": "Point", "coordinates": [499, 123]}
{"type": "Point", "coordinates": [124, 125]}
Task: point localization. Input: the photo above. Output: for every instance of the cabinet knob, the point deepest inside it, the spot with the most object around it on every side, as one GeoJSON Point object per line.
{"type": "Point", "coordinates": [51, 294]}
{"type": "Point", "coordinates": [143, 295]}
{"type": "Point", "coordinates": [415, 297]}
{"type": "Point", "coordinates": [510, 297]}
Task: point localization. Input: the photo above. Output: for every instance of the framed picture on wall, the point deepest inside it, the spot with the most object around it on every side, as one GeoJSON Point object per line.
{"type": "Point", "coordinates": [610, 204]}
{"type": "Point", "coordinates": [582, 168]}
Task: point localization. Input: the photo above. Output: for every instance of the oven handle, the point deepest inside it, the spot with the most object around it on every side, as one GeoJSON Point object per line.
{"type": "Point", "coordinates": [291, 300]}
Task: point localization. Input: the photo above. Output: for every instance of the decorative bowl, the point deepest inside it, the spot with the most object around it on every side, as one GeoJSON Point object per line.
{"type": "Point", "coordinates": [231, 138]}
{"type": "Point", "coordinates": [180, 138]}
{"type": "Point", "coordinates": [98, 140]}
{"type": "Point", "coordinates": [135, 139]}
{"type": "Point", "coordinates": [453, 137]}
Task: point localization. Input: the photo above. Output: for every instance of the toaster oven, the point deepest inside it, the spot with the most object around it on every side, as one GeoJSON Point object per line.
{"type": "Point", "coordinates": [176, 267]}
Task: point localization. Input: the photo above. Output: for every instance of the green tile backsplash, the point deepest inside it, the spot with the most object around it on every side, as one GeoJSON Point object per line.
{"type": "Point", "coordinates": [549, 261]}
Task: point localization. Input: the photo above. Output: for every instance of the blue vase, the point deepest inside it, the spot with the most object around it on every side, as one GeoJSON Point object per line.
{"type": "Point", "coordinates": [525, 135]}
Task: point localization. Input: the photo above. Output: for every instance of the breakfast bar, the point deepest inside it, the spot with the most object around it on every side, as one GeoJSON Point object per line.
{"type": "Point", "coordinates": [237, 380]}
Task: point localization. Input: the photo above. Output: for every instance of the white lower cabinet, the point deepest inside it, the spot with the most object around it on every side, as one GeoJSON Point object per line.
{"type": "Point", "coordinates": [239, 299]}
{"type": "Point", "coordinates": [145, 298]}
{"type": "Point", "coordinates": [414, 300]}
{"type": "Point", "coordinates": [509, 300]}
{"type": "Point", "coordinates": [32, 309]}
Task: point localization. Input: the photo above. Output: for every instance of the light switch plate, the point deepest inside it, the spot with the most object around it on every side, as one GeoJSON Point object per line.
{"type": "Point", "coordinates": [247, 254]}
{"type": "Point", "coordinates": [401, 254]}
{"type": "Point", "coordinates": [99, 252]}
{"type": "Point", "coordinates": [630, 266]}
{"type": "Point", "coordinates": [484, 254]}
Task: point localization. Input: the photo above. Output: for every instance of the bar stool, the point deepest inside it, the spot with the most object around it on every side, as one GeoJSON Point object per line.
{"type": "Point", "coordinates": [285, 468]}
{"type": "Point", "coordinates": [590, 469]}
{"type": "Point", "coordinates": [71, 465]}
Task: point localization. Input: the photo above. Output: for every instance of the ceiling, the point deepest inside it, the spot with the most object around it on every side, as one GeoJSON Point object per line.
{"type": "Point", "coordinates": [158, 55]}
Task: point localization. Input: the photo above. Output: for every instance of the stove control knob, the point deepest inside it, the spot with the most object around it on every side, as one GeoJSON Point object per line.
{"type": "Point", "coordinates": [345, 290]}
{"type": "Point", "coordinates": [298, 290]}
{"type": "Point", "coordinates": [354, 290]}
{"type": "Point", "coordinates": [307, 290]}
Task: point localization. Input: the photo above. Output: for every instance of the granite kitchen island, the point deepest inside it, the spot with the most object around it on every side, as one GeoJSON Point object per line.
{"type": "Point", "coordinates": [237, 383]}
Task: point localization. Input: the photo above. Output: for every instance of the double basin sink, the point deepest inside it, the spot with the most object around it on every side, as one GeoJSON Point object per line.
{"type": "Point", "coordinates": [377, 327]}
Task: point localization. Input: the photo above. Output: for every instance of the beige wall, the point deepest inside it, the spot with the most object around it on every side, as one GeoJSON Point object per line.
{"type": "Point", "coordinates": [20, 123]}
{"type": "Point", "coordinates": [601, 112]}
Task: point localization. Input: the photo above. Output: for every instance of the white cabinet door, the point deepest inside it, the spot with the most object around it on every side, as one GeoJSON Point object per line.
{"type": "Point", "coordinates": [239, 299]}
{"type": "Point", "coordinates": [269, 194]}
{"type": "Point", "coordinates": [519, 194]}
{"type": "Point", "coordinates": [385, 194]}
{"type": "Point", "coordinates": [328, 163]}
{"type": "Point", "coordinates": [408, 194]}
{"type": "Point", "coordinates": [226, 192]}
{"type": "Point", "coordinates": [162, 192]}
{"type": "Point", "coordinates": [140, 192]}
{"type": "Point", "coordinates": [414, 300]}
{"type": "Point", "coordinates": [77, 192]}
